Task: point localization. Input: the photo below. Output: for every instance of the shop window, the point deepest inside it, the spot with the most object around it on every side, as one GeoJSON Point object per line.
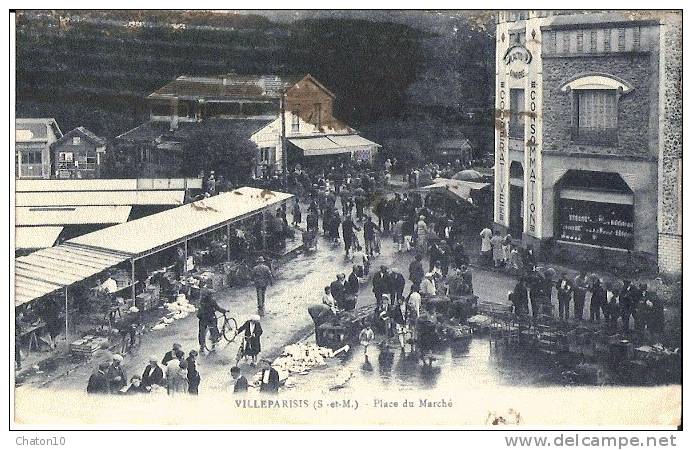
{"type": "Point", "coordinates": [596, 116]}
{"type": "Point", "coordinates": [595, 223]}
{"type": "Point", "coordinates": [595, 208]}
{"type": "Point", "coordinates": [516, 113]}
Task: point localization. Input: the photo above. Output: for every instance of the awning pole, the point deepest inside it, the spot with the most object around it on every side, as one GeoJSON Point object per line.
{"type": "Point", "coordinates": [67, 322]}
{"type": "Point", "coordinates": [185, 263]}
{"type": "Point", "coordinates": [132, 279]}
{"type": "Point", "coordinates": [264, 230]}
{"type": "Point", "coordinates": [228, 242]}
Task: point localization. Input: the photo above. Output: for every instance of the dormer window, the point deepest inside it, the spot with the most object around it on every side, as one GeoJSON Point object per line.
{"type": "Point", "coordinates": [595, 100]}
{"type": "Point", "coordinates": [76, 140]}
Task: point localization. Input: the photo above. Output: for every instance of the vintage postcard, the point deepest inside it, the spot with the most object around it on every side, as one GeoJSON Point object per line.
{"type": "Point", "coordinates": [347, 219]}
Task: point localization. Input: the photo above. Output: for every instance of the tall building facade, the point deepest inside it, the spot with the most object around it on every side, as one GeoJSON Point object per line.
{"type": "Point", "coordinates": [588, 135]}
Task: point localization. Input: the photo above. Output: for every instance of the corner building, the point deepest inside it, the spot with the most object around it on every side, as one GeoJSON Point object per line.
{"type": "Point", "coordinates": [588, 135]}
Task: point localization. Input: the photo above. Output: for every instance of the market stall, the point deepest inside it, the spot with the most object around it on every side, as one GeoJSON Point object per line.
{"type": "Point", "coordinates": [116, 275]}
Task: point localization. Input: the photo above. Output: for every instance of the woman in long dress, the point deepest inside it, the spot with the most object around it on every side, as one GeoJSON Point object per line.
{"type": "Point", "coordinates": [252, 331]}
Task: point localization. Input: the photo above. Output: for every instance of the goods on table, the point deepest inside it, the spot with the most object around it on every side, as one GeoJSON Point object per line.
{"type": "Point", "coordinates": [479, 321]}
{"type": "Point", "coordinates": [300, 358]}
{"type": "Point", "coordinates": [177, 310]}
{"type": "Point", "coordinates": [88, 345]}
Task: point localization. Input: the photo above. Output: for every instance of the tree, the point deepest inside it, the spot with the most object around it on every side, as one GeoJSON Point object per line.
{"type": "Point", "coordinates": [228, 154]}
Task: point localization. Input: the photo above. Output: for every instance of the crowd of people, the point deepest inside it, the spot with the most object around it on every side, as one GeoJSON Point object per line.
{"type": "Point", "coordinates": [176, 373]}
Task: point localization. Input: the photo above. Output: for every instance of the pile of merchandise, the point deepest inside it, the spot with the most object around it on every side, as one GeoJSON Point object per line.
{"type": "Point", "coordinates": [177, 310]}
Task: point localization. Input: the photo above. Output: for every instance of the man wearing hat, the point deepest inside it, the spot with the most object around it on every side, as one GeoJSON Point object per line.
{"type": "Point", "coordinates": [380, 284]}
{"type": "Point", "coordinates": [98, 381]}
{"type": "Point", "coordinates": [116, 374]}
{"type": "Point", "coordinates": [153, 374]}
{"type": "Point", "coordinates": [207, 319]}
{"type": "Point", "coordinates": [262, 277]}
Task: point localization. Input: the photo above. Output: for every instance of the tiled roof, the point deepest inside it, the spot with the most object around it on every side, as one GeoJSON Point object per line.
{"type": "Point", "coordinates": [153, 131]}
{"type": "Point", "coordinates": [85, 133]}
{"type": "Point", "coordinates": [38, 128]}
{"type": "Point", "coordinates": [226, 86]}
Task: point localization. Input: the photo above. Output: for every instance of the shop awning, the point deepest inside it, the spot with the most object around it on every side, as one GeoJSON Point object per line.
{"type": "Point", "coordinates": [332, 145]}
{"type": "Point", "coordinates": [70, 215]}
{"type": "Point", "coordinates": [148, 234]}
{"type": "Point", "coordinates": [28, 238]}
{"type": "Point", "coordinates": [46, 271]}
{"type": "Point", "coordinates": [592, 186]}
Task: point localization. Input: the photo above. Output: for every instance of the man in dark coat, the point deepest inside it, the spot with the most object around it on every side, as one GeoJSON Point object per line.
{"type": "Point", "coordinates": [347, 229]}
{"type": "Point", "coordinates": [416, 273]}
{"type": "Point", "coordinates": [153, 374]}
{"type": "Point", "coordinates": [269, 379]}
{"type": "Point", "coordinates": [338, 289]}
{"type": "Point", "coordinates": [262, 277]}
{"type": "Point", "coordinates": [117, 379]}
{"type": "Point", "coordinates": [193, 378]}
{"type": "Point", "coordinates": [207, 319]}
{"type": "Point", "coordinates": [628, 300]}
{"type": "Point", "coordinates": [564, 296]}
{"type": "Point", "coordinates": [170, 355]}
{"type": "Point", "coordinates": [98, 381]}
{"type": "Point", "coordinates": [397, 282]}
{"type": "Point", "coordinates": [380, 284]}
{"type": "Point", "coordinates": [520, 299]}
{"type": "Point", "coordinates": [598, 300]}
{"type": "Point", "coordinates": [580, 285]}
{"type": "Point", "coordinates": [369, 228]}
{"type": "Point", "coordinates": [241, 384]}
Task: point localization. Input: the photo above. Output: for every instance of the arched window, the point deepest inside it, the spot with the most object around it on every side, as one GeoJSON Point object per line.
{"type": "Point", "coordinates": [595, 100]}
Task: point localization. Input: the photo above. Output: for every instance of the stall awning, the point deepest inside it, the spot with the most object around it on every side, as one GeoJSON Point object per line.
{"type": "Point", "coordinates": [458, 188]}
{"type": "Point", "coordinates": [332, 145]}
{"type": "Point", "coordinates": [45, 271]}
{"type": "Point", "coordinates": [28, 238]}
{"type": "Point", "coordinates": [50, 269]}
{"type": "Point", "coordinates": [105, 185]}
{"type": "Point", "coordinates": [99, 198]}
{"type": "Point", "coordinates": [70, 215]}
{"type": "Point", "coordinates": [144, 236]}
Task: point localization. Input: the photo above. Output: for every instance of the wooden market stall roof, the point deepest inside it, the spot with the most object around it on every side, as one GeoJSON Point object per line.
{"type": "Point", "coordinates": [149, 234]}
{"type": "Point", "coordinates": [48, 270]}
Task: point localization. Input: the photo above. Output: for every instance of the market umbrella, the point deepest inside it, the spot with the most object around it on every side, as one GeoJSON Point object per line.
{"type": "Point", "coordinates": [468, 175]}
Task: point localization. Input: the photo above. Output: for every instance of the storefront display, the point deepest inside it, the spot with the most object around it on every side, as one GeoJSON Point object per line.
{"type": "Point", "coordinates": [602, 224]}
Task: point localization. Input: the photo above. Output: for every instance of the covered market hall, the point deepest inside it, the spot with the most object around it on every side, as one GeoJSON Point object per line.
{"type": "Point", "coordinates": [59, 291]}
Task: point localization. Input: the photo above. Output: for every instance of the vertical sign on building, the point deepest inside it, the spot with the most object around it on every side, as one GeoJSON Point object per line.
{"type": "Point", "coordinates": [533, 130]}
{"type": "Point", "coordinates": [501, 213]}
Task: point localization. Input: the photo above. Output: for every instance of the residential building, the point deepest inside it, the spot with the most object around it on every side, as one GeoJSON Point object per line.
{"type": "Point", "coordinates": [588, 135]}
{"type": "Point", "coordinates": [78, 155]}
{"type": "Point", "coordinates": [243, 107]}
{"type": "Point", "coordinates": [33, 138]}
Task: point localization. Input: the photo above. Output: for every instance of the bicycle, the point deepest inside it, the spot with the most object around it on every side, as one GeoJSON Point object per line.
{"type": "Point", "coordinates": [227, 328]}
